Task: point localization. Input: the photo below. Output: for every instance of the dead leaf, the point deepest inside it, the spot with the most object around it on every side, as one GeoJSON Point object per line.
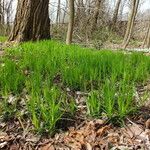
{"type": "Point", "coordinates": [3, 137]}
{"type": "Point", "coordinates": [2, 145]}
{"type": "Point", "coordinates": [147, 124]}
{"type": "Point", "coordinates": [14, 147]}
{"type": "Point", "coordinates": [48, 147]}
{"type": "Point", "coordinates": [102, 130]}
{"type": "Point", "coordinates": [88, 146]}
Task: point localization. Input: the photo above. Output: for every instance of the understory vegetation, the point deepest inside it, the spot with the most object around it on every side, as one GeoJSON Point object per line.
{"type": "Point", "coordinates": [3, 38]}
{"type": "Point", "coordinates": [43, 73]}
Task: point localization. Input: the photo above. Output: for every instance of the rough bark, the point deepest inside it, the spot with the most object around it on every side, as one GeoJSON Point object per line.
{"type": "Point", "coordinates": [71, 22]}
{"type": "Point", "coordinates": [135, 4]}
{"type": "Point", "coordinates": [31, 22]}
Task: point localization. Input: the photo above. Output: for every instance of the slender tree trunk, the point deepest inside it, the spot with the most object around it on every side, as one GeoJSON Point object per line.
{"type": "Point", "coordinates": [148, 41]}
{"type": "Point", "coordinates": [146, 36]}
{"type": "Point", "coordinates": [1, 12]}
{"type": "Point", "coordinates": [135, 4]}
{"type": "Point", "coordinates": [71, 22]}
{"type": "Point", "coordinates": [58, 13]}
{"type": "Point", "coordinates": [116, 12]}
{"type": "Point", "coordinates": [96, 14]}
{"type": "Point", "coordinates": [64, 14]}
{"type": "Point", "coordinates": [32, 21]}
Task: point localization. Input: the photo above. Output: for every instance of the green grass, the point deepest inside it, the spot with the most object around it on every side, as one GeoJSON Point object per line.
{"type": "Point", "coordinates": [45, 69]}
{"type": "Point", "coordinates": [3, 38]}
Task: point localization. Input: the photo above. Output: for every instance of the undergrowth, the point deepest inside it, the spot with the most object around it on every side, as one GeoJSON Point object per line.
{"type": "Point", "coordinates": [45, 69]}
{"type": "Point", "coordinates": [3, 38]}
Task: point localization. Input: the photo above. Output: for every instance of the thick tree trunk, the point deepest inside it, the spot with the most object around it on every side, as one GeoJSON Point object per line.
{"type": "Point", "coordinates": [116, 12]}
{"type": "Point", "coordinates": [135, 4]}
{"type": "Point", "coordinates": [71, 22]}
{"type": "Point", "coordinates": [32, 21]}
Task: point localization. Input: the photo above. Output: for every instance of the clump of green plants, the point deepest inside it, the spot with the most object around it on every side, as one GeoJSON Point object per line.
{"type": "Point", "coordinates": [94, 104]}
{"type": "Point", "coordinates": [46, 109]}
{"type": "Point", "coordinates": [45, 69]}
{"type": "Point", "coordinates": [11, 78]}
{"type": "Point", "coordinates": [3, 38]}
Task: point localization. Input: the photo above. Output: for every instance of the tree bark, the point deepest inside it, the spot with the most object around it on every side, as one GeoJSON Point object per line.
{"type": "Point", "coordinates": [116, 12]}
{"type": "Point", "coordinates": [1, 13]}
{"type": "Point", "coordinates": [135, 4]}
{"type": "Point", "coordinates": [32, 21]}
{"type": "Point", "coordinates": [146, 36]}
{"type": "Point", "coordinates": [71, 22]}
{"type": "Point", "coordinates": [148, 41]}
{"type": "Point", "coordinates": [58, 13]}
{"type": "Point", "coordinates": [96, 14]}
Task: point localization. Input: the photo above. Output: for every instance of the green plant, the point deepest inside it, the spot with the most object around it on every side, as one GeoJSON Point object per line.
{"type": "Point", "coordinates": [125, 99]}
{"type": "Point", "coordinates": [46, 110]}
{"type": "Point", "coordinates": [108, 94]}
{"type": "Point", "coordinates": [3, 38]}
{"type": "Point", "coordinates": [11, 78]}
{"type": "Point", "coordinates": [94, 104]}
{"type": "Point", "coordinates": [45, 68]}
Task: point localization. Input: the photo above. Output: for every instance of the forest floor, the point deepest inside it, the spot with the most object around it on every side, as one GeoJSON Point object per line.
{"type": "Point", "coordinates": [78, 132]}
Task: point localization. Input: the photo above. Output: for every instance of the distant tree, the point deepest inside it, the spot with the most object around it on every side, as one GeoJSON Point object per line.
{"type": "Point", "coordinates": [96, 14]}
{"type": "Point", "coordinates": [32, 21]}
{"type": "Point", "coordinates": [1, 12]}
{"type": "Point", "coordinates": [134, 9]}
{"type": "Point", "coordinates": [58, 13]}
{"type": "Point", "coordinates": [71, 22]}
{"type": "Point", "coordinates": [8, 15]}
{"type": "Point", "coordinates": [147, 38]}
{"type": "Point", "coordinates": [116, 12]}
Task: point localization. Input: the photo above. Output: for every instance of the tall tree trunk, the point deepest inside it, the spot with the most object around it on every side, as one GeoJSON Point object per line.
{"type": "Point", "coordinates": [58, 13]}
{"type": "Point", "coordinates": [116, 12]}
{"type": "Point", "coordinates": [148, 40]}
{"type": "Point", "coordinates": [147, 36]}
{"type": "Point", "coordinates": [32, 21]}
{"type": "Point", "coordinates": [71, 22]}
{"type": "Point", "coordinates": [96, 14]}
{"type": "Point", "coordinates": [135, 4]}
{"type": "Point", "coordinates": [64, 14]}
{"type": "Point", "coordinates": [1, 12]}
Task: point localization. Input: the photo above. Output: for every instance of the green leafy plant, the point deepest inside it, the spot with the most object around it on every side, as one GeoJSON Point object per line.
{"type": "Point", "coordinates": [46, 110]}
{"type": "Point", "coordinates": [94, 104]}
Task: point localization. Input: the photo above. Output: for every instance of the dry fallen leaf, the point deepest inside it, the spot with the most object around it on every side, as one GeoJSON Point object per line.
{"type": "Point", "coordinates": [3, 137]}
{"type": "Point", "coordinates": [88, 146]}
{"type": "Point", "coordinates": [102, 130]}
{"type": "Point", "coordinates": [3, 144]}
{"type": "Point", "coordinates": [14, 147]}
{"type": "Point", "coordinates": [147, 124]}
{"type": "Point", "coordinates": [49, 146]}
